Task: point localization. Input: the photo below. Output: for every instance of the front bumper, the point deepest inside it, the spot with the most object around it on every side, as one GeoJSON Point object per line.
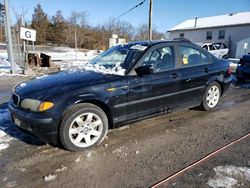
{"type": "Point", "coordinates": [43, 128]}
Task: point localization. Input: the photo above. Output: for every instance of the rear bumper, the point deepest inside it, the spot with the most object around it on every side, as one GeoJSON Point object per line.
{"type": "Point", "coordinates": [43, 128]}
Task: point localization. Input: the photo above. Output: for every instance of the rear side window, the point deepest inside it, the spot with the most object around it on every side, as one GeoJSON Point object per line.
{"type": "Point", "coordinates": [204, 58]}
{"type": "Point", "coordinates": [191, 56]}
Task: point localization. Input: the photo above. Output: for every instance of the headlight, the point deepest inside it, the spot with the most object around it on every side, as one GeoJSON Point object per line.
{"type": "Point", "coordinates": [36, 105]}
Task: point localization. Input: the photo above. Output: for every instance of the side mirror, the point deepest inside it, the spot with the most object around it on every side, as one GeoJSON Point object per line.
{"type": "Point", "coordinates": [146, 69]}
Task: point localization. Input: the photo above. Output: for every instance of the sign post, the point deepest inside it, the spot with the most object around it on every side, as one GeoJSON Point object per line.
{"type": "Point", "coordinates": [9, 38]}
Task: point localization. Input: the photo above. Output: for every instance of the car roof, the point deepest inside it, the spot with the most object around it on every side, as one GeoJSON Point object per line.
{"type": "Point", "coordinates": [154, 42]}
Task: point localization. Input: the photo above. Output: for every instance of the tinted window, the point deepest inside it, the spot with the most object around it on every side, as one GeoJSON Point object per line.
{"type": "Point", "coordinates": [161, 59]}
{"type": "Point", "coordinates": [191, 56]}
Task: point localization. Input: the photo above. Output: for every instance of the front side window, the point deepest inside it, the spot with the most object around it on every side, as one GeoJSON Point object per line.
{"type": "Point", "coordinates": [161, 59]}
{"type": "Point", "coordinates": [209, 35]}
{"type": "Point", "coordinates": [191, 56]}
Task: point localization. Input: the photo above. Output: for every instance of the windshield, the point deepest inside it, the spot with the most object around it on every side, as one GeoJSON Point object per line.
{"type": "Point", "coordinates": [117, 59]}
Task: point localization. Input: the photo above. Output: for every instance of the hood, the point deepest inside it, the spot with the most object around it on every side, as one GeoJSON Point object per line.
{"type": "Point", "coordinates": [63, 81]}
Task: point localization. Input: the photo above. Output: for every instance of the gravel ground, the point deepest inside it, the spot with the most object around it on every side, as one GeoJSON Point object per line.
{"type": "Point", "coordinates": [137, 155]}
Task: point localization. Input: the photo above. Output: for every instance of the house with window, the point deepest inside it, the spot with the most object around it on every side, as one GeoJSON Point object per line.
{"type": "Point", "coordinates": [228, 29]}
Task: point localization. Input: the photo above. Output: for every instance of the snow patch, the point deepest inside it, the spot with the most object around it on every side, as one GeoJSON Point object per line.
{"type": "Point", "coordinates": [118, 70]}
{"type": "Point", "coordinates": [4, 137]}
{"type": "Point", "coordinates": [10, 75]}
{"type": "Point", "coordinates": [5, 66]}
{"type": "Point", "coordinates": [138, 47]}
{"type": "Point", "coordinates": [65, 57]}
{"type": "Point", "coordinates": [3, 146]}
{"type": "Point", "coordinates": [62, 168]}
{"type": "Point", "coordinates": [50, 177]}
{"type": "Point", "coordinates": [214, 21]}
{"type": "Point", "coordinates": [229, 176]}
{"type": "Point", "coordinates": [43, 76]}
{"type": "Point", "coordinates": [71, 54]}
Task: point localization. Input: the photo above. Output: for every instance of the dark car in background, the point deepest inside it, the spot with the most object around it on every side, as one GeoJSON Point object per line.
{"type": "Point", "coordinates": [243, 69]}
{"type": "Point", "coordinates": [123, 84]}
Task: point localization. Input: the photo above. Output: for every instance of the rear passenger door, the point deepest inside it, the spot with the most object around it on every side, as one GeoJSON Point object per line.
{"type": "Point", "coordinates": [194, 68]}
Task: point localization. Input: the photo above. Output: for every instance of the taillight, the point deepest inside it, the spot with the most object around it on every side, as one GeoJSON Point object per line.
{"type": "Point", "coordinates": [229, 71]}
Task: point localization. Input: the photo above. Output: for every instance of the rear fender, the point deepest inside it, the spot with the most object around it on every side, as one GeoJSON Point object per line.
{"type": "Point", "coordinates": [217, 78]}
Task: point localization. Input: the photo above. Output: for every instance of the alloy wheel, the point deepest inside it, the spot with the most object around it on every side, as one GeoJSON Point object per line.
{"type": "Point", "coordinates": [213, 96]}
{"type": "Point", "coordinates": [85, 130]}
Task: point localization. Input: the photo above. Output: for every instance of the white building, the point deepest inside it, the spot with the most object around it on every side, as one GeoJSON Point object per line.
{"type": "Point", "coordinates": [228, 29]}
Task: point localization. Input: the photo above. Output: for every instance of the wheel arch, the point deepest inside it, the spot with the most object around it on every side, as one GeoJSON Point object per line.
{"type": "Point", "coordinates": [104, 107]}
{"type": "Point", "coordinates": [219, 80]}
{"type": "Point", "coordinates": [98, 103]}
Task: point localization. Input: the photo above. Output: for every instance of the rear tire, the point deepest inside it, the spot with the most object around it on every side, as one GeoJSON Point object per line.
{"type": "Point", "coordinates": [211, 97]}
{"type": "Point", "coordinates": [83, 126]}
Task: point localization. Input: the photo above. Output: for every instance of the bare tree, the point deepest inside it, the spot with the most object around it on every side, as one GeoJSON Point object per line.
{"type": "Point", "coordinates": [142, 33]}
{"type": "Point", "coordinates": [77, 24]}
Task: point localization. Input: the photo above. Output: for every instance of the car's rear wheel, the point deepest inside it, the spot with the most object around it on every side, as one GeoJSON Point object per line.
{"type": "Point", "coordinates": [211, 96]}
{"type": "Point", "coordinates": [83, 126]}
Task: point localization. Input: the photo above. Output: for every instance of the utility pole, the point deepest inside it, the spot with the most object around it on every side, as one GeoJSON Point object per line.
{"type": "Point", "coordinates": [9, 38]}
{"type": "Point", "coordinates": [75, 42]}
{"type": "Point", "coordinates": [150, 20]}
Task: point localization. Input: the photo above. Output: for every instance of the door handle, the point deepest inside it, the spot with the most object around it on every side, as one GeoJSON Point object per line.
{"type": "Point", "coordinates": [206, 69]}
{"type": "Point", "coordinates": [175, 75]}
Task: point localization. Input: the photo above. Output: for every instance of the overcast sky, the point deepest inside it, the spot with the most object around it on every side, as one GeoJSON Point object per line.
{"type": "Point", "coordinates": [166, 13]}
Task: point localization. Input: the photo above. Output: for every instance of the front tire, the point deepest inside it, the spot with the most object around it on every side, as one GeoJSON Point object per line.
{"type": "Point", "coordinates": [83, 126]}
{"type": "Point", "coordinates": [211, 97]}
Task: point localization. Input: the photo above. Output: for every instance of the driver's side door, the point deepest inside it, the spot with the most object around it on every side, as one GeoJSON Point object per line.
{"type": "Point", "coordinates": [157, 92]}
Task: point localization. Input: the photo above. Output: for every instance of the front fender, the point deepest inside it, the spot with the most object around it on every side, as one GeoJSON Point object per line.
{"type": "Point", "coordinates": [93, 99]}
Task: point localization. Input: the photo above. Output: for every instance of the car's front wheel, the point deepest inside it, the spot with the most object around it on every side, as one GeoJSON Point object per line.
{"type": "Point", "coordinates": [211, 96]}
{"type": "Point", "coordinates": [83, 126]}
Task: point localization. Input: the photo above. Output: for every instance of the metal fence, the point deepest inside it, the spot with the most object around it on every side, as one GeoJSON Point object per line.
{"type": "Point", "coordinates": [19, 49]}
{"type": "Point", "coordinates": [19, 52]}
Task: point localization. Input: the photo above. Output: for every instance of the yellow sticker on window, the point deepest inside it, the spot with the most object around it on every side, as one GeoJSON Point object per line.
{"type": "Point", "coordinates": [185, 60]}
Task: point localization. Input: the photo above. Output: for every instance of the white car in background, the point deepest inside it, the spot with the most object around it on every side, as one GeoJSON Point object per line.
{"type": "Point", "coordinates": [219, 49]}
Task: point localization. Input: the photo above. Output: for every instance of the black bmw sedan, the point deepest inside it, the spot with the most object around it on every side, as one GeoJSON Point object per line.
{"type": "Point", "coordinates": [123, 84]}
